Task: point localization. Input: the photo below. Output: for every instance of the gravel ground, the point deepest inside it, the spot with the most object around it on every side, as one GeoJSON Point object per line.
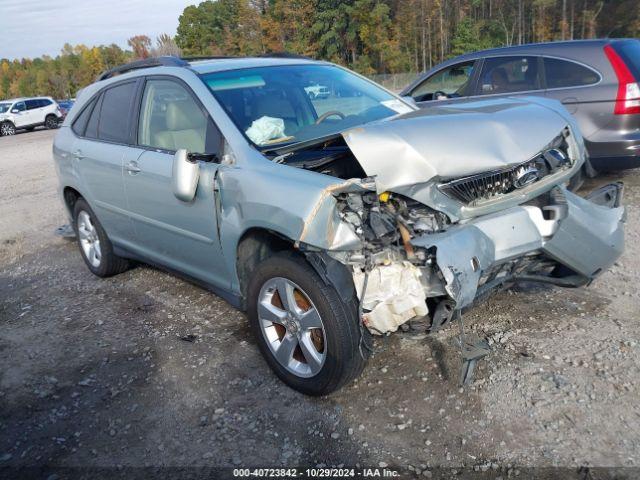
{"type": "Point", "coordinates": [94, 372]}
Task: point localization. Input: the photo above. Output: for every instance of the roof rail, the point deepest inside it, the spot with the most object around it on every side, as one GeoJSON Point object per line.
{"type": "Point", "coordinates": [206, 57]}
{"type": "Point", "coordinates": [144, 63]}
{"type": "Point", "coordinates": [285, 55]}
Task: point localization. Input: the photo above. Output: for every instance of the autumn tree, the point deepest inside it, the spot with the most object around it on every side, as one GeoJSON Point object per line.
{"type": "Point", "coordinates": [141, 46]}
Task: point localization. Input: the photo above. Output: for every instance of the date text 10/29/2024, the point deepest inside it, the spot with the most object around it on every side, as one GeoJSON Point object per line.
{"type": "Point", "coordinates": [315, 473]}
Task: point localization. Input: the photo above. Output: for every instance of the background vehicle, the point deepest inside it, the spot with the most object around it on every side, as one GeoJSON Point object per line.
{"type": "Point", "coordinates": [28, 113]}
{"type": "Point", "coordinates": [596, 80]}
{"type": "Point", "coordinates": [65, 106]}
{"type": "Point", "coordinates": [317, 91]}
{"type": "Point", "coordinates": [325, 223]}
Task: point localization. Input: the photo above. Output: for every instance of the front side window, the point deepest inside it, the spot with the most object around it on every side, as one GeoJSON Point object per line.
{"type": "Point", "coordinates": [288, 104]}
{"type": "Point", "coordinates": [20, 106]}
{"type": "Point", "coordinates": [562, 73]}
{"type": "Point", "coordinates": [170, 119]}
{"type": "Point", "coordinates": [449, 82]}
{"type": "Point", "coordinates": [509, 75]}
{"type": "Point", "coordinates": [113, 125]}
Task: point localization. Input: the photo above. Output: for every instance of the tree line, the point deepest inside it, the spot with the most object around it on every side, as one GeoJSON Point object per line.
{"type": "Point", "coordinates": [370, 36]}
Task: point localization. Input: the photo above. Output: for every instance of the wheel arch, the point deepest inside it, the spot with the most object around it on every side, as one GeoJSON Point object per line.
{"type": "Point", "coordinates": [256, 245]}
{"type": "Point", "coordinates": [70, 196]}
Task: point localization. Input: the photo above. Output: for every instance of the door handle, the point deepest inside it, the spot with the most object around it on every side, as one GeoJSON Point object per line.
{"type": "Point", "coordinates": [132, 168]}
{"type": "Point", "coordinates": [78, 155]}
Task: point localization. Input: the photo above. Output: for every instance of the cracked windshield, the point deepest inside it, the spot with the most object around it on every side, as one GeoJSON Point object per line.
{"type": "Point", "coordinates": [289, 104]}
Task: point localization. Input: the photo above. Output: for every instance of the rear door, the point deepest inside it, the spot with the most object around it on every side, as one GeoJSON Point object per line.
{"type": "Point", "coordinates": [32, 114]}
{"type": "Point", "coordinates": [571, 82]}
{"type": "Point", "coordinates": [447, 85]}
{"type": "Point", "coordinates": [104, 137]}
{"type": "Point", "coordinates": [510, 75]}
{"type": "Point", "coordinates": [180, 235]}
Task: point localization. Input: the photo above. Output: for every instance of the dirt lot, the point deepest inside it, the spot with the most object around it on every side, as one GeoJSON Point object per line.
{"type": "Point", "coordinates": [94, 373]}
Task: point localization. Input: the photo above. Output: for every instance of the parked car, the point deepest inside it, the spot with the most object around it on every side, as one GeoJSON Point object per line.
{"type": "Point", "coordinates": [596, 80]}
{"type": "Point", "coordinates": [27, 114]}
{"type": "Point", "coordinates": [327, 228]}
{"type": "Point", "coordinates": [65, 106]}
{"type": "Point", "coordinates": [317, 91]}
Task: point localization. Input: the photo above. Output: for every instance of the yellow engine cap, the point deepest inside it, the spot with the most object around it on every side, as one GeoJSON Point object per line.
{"type": "Point", "coordinates": [384, 196]}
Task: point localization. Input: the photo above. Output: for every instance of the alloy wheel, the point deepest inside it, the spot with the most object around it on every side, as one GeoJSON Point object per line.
{"type": "Point", "coordinates": [292, 327]}
{"type": "Point", "coordinates": [89, 240]}
{"type": "Point", "coordinates": [7, 129]}
{"type": "Point", "coordinates": [51, 122]}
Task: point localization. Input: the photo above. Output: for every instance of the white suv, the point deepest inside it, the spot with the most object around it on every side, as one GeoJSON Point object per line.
{"type": "Point", "coordinates": [28, 113]}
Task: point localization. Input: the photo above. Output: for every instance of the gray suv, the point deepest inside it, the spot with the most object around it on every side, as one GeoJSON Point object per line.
{"type": "Point", "coordinates": [596, 80]}
{"type": "Point", "coordinates": [327, 220]}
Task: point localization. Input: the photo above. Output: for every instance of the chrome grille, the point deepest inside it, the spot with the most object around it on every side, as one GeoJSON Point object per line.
{"type": "Point", "coordinates": [484, 186]}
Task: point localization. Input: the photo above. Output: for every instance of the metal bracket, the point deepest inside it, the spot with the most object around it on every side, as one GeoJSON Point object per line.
{"type": "Point", "coordinates": [472, 349]}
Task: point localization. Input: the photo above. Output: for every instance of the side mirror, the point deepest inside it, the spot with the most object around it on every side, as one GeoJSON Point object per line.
{"type": "Point", "coordinates": [410, 100]}
{"type": "Point", "coordinates": [15, 110]}
{"type": "Point", "coordinates": [185, 174]}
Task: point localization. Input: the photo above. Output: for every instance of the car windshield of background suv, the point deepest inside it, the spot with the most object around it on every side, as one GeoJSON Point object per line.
{"type": "Point", "coordinates": [290, 104]}
{"type": "Point", "coordinates": [4, 107]}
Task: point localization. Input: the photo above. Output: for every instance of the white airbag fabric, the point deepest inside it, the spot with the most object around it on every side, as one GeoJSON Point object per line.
{"type": "Point", "coordinates": [265, 129]}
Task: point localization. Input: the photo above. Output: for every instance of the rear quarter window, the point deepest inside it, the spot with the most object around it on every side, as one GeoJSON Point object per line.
{"type": "Point", "coordinates": [79, 125]}
{"type": "Point", "coordinates": [564, 73]}
{"type": "Point", "coordinates": [630, 52]}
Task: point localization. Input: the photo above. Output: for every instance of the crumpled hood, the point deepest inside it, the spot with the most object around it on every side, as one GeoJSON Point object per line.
{"type": "Point", "coordinates": [455, 140]}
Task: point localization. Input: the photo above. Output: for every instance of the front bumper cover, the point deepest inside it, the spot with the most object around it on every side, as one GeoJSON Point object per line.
{"type": "Point", "coordinates": [577, 233]}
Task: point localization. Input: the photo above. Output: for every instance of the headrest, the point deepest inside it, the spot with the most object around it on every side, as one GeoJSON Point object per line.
{"type": "Point", "coordinates": [271, 106]}
{"type": "Point", "coordinates": [183, 115]}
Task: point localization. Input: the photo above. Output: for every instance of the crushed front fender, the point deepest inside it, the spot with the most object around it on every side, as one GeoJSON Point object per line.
{"type": "Point", "coordinates": [578, 234]}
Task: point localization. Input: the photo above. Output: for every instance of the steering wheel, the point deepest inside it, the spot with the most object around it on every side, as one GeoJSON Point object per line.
{"type": "Point", "coordinates": [328, 114]}
{"type": "Point", "coordinates": [439, 93]}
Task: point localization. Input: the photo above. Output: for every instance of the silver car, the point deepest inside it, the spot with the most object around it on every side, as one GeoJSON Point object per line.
{"type": "Point", "coordinates": [332, 220]}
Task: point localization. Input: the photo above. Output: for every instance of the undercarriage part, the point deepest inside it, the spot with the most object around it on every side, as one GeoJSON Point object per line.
{"type": "Point", "coordinates": [442, 315]}
{"type": "Point", "coordinates": [65, 231]}
{"type": "Point", "coordinates": [472, 349]}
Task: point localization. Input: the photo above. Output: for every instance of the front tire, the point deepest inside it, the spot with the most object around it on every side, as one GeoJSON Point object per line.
{"type": "Point", "coordinates": [7, 129]}
{"type": "Point", "coordinates": [308, 335]}
{"type": "Point", "coordinates": [95, 247]}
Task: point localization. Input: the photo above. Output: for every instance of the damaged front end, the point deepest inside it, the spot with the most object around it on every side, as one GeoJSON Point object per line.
{"type": "Point", "coordinates": [429, 226]}
{"type": "Point", "coordinates": [418, 267]}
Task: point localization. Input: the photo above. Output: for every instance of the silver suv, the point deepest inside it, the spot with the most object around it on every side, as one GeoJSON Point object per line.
{"type": "Point", "coordinates": [28, 113]}
{"type": "Point", "coordinates": [327, 220]}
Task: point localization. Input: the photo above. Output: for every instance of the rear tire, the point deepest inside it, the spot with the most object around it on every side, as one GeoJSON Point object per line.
{"type": "Point", "coordinates": [336, 360]}
{"type": "Point", "coordinates": [51, 122]}
{"type": "Point", "coordinates": [95, 247]}
{"type": "Point", "coordinates": [7, 129]}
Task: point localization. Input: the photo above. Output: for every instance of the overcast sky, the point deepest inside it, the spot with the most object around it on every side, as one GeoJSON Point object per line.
{"type": "Point", "coordinates": [31, 28]}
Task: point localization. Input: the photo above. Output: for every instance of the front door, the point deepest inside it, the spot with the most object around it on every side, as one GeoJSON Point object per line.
{"type": "Point", "coordinates": [448, 85]}
{"type": "Point", "coordinates": [180, 235]}
{"type": "Point", "coordinates": [20, 115]}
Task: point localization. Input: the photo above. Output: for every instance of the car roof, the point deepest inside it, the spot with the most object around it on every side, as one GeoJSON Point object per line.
{"type": "Point", "coordinates": [232, 63]}
{"type": "Point", "coordinates": [22, 99]}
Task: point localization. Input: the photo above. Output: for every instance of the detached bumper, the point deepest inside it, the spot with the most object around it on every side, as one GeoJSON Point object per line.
{"type": "Point", "coordinates": [586, 236]}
